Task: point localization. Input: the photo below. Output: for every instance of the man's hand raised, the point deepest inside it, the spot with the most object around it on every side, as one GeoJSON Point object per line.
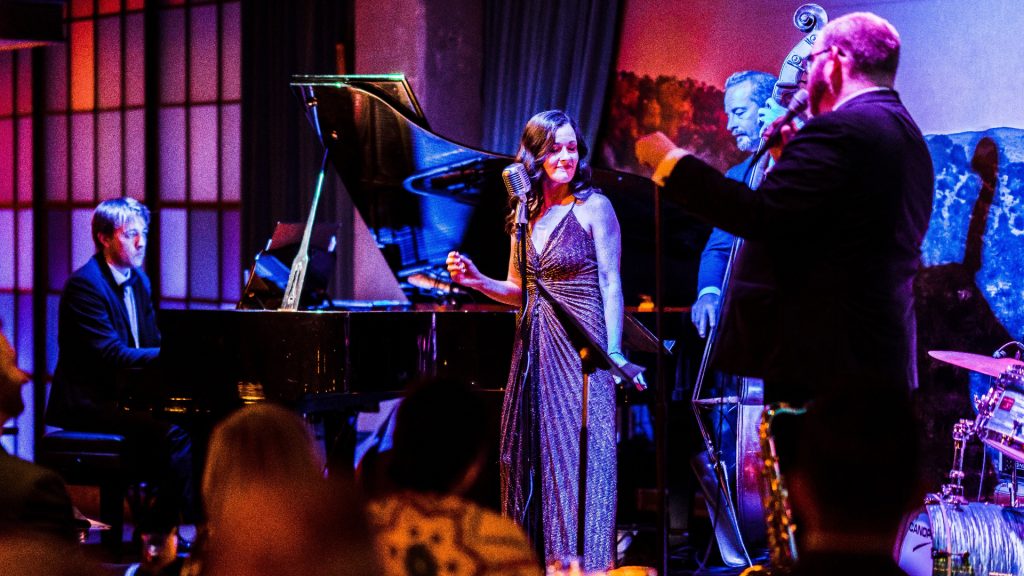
{"type": "Point", "coordinates": [652, 149]}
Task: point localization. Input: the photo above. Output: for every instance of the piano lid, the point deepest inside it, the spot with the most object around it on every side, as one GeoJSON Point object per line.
{"type": "Point", "coordinates": [419, 194]}
{"type": "Point", "coordinates": [422, 195]}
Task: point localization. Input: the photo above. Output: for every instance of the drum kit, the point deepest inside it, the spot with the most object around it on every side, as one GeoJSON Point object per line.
{"type": "Point", "coordinates": [951, 535]}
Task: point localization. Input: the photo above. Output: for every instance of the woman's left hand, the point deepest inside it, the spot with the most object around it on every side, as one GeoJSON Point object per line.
{"type": "Point", "coordinates": [621, 360]}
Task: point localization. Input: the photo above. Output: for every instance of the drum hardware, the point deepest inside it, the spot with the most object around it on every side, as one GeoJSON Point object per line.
{"type": "Point", "coordinates": [976, 539]}
{"type": "Point", "coordinates": [1008, 493]}
{"type": "Point", "coordinates": [987, 365]}
{"type": "Point", "coordinates": [953, 492]}
{"type": "Point", "coordinates": [951, 536]}
{"type": "Point", "coordinates": [1004, 464]}
{"type": "Point", "coordinates": [998, 425]}
{"type": "Point", "coordinates": [1002, 495]}
{"type": "Point", "coordinates": [1002, 351]}
{"type": "Point", "coordinates": [1013, 487]}
{"type": "Point", "coordinates": [1000, 420]}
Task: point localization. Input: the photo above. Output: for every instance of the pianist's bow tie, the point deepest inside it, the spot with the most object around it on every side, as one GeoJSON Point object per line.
{"type": "Point", "coordinates": [128, 283]}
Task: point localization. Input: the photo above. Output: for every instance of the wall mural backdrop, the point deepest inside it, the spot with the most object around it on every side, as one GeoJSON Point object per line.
{"type": "Point", "coordinates": [960, 71]}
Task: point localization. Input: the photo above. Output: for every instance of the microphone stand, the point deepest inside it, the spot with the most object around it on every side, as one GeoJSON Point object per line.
{"type": "Point", "coordinates": [521, 228]}
{"type": "Point", "coordinates": [526, 401]}
{"type": "Point", "coordinates": [661, 400]}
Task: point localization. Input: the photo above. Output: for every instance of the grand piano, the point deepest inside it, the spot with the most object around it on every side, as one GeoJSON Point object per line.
{"type": "Point", "coordinates": [420, 196]}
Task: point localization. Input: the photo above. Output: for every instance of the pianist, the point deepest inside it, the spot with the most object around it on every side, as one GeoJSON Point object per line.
{"type": "Point", "coordinates": [106, 326]}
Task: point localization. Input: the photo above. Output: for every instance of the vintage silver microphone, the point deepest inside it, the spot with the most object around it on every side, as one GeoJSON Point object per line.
{"type": "Point", "coordinates": [517, 181]}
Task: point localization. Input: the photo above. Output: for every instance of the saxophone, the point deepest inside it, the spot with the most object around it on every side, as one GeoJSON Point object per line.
{"type": "Point", "coordinates": [780, 527]}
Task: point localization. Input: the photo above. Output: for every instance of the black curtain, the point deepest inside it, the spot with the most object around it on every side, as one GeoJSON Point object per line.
{"type": "Point", "coordinates": [540, 55]}
{"type": "Point", "coordinates": [280, 152]}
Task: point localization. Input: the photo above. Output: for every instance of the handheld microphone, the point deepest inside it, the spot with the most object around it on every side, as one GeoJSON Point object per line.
{"type": "Point", "coordinates": [517, 181]}
{"type": "Point", "coordinates": [796, 107]}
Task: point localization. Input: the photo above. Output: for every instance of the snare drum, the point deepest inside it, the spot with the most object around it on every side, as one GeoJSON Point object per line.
{"type": "Point", "coordinates": [977, 539]}
{"type": "Point", "coordinates": [1000, 421]}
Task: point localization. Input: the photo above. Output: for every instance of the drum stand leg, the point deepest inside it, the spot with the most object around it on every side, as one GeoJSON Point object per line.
{"type": "Point", "coordinates": [953, 492]}
{"type": "Point", "coordinates": [1013, 486]}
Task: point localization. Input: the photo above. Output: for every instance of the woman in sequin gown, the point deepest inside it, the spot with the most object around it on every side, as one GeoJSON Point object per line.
{"type": "Point", "coordinates": [572, 259]}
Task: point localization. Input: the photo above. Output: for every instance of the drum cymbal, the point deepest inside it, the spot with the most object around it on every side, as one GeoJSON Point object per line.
{"type": "Point", "coordinates": [975, 362]}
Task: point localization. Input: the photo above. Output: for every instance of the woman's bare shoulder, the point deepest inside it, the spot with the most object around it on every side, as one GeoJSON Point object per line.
{"type": "Point", "coordinates": [593, 199]}
{"type": "Point", "coordinates": [595, 204]}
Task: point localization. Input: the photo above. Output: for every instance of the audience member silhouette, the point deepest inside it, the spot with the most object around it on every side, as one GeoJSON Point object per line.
{"type": "Point", "coordinates": [33, 499]}
{"type": "Point", "coordinates": [854, 477]}
{"type": "Point", "coordinates": [426, 525]}
{"type": "Point", "coordinates": [37, 555]}
{"type": "Point", "coordinates": [269, 509]}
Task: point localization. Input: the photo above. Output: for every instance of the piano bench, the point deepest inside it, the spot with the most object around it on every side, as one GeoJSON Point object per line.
{"type": "Point", "coordinates": [91, 459]}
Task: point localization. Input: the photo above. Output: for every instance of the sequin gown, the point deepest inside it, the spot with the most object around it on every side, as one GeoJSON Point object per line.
{"type": "Point", "coordinates": [540, 456]}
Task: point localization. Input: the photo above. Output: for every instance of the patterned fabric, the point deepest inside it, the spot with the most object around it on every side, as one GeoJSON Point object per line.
{"type": "Point", "coordinates": [428, 534]}
{"type": "Point", "coordinates": [545, 466]}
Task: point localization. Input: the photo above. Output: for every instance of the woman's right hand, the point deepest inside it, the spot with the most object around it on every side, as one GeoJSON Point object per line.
{"type": "Point", "coordinates": [462, 270]}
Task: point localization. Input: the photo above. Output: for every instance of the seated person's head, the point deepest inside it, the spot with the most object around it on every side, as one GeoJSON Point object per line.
{"type": "Point", "coordinates": [261, 442]}
{"type": "Point", "coordinates": [857, 468]}
{"type": "Point", "coordinates": [308, 528]}
{"type": "Point", "coordinates": [112, 214]}
{"type": "Point", "coordinates": [439, 439]}
{"type": "Point", "coordinates": [270, 510]}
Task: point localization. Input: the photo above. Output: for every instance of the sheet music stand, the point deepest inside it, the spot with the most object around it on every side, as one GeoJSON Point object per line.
{"type": "Point", "coordinates": [593, 356]}
{"type": "Point", "coordinates": [636, 337]}
{"type": "Point", "coordinates": [268, 276]}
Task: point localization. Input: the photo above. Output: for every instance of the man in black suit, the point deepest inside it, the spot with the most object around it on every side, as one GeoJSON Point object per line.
{"type": "Point", "coordinates": [34, 499]}
{"type": "Point", "coordinates": [822, 292]}
{"type": "Point", "coordinates": [106, 327]}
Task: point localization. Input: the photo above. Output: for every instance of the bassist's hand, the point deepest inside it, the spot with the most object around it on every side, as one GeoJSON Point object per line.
{"type": "Point", "coordinates": [703, 313]}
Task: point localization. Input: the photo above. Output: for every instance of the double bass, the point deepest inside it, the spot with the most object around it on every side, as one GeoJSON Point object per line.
{"type": "Point", "coordinates": [750, 512]}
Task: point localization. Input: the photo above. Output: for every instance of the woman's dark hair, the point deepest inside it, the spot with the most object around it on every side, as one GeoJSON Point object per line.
{"type": "Point", "coordinates": [534, 146]}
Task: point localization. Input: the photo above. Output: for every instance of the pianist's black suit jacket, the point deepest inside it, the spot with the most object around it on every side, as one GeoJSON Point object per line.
{"type": "Point", "coordinates": [821, 293]}
{"type": "Point", "coordinates": [95, 341]}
